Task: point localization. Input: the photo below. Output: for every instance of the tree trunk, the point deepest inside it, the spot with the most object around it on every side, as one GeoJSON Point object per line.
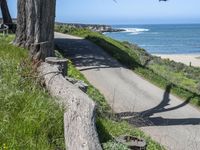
{"type": "Point", "coordinates": [6, 15]}
{"type": "Point", "coordinates": [35, 27]}
{"type": "Point", "coordinates": [5, 12]}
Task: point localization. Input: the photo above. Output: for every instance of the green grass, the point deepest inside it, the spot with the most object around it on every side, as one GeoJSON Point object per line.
{"type": "Point", "coordinates": [185, 80]}
{"type": "Point", "coordinates": [30, 119]}
{"type": "Point", "coordinates": [175, 77]}
{"type": "Point", "coordinates": [107, 127]}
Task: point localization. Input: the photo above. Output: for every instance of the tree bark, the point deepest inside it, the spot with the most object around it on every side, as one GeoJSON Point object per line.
{"type": "Point", "coordinates": [35, 27]}
{"type": "Point", "coordinates": [79, 116]}
{"type": "Point", "coordinates": [5, 12]}
{"type": "Point", "coordinates": [7, 20]}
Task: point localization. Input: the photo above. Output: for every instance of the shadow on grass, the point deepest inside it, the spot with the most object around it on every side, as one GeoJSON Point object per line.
{"type": "Point", "coordinates": [104, 135]}
{"type": "Point", "coordinates": [116, 52]}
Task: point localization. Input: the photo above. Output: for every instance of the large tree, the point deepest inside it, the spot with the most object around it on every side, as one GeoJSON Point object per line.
{"type": "Point", "coordinates": [5, 12]}
{"type": "Point", "coordinates": [35, 27]}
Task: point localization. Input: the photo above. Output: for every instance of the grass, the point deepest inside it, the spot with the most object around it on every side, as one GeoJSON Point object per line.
{"type": "Point", "coordinates": [30, 119]}
{"type": "Point", "coordinates": [107, 126]}
{"type": "Point", "coordinates": [175, 77]}
{"type": "Point", "coordinates": [185, 80]}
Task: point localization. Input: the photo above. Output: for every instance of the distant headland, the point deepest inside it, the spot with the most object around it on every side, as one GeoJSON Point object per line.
{"type": "Point", "coordinates": [93, 27]}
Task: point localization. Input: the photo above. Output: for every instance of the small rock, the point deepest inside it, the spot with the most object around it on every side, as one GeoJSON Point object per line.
{"type": "Point", "coordinates": [78, 83]}
{"type": "Point", "coordinates": [81, 85]}
{"type": "Point", "coordinates": [72, 80]}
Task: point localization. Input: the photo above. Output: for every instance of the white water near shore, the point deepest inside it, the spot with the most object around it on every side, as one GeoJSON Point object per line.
{"type": "Point", "coordinates": [134, 30]}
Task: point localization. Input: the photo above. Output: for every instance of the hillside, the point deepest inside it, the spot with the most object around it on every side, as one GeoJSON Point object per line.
{"type": "Point", "coordinates": [185, 80]}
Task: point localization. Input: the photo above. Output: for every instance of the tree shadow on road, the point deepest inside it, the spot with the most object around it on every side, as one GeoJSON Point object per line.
{"type": "Point", "coordinates": [145, 118]}
{"type": "Point", "coordinates": [84, 57]}
{"type": "Point", "coordinates": [93, 57]}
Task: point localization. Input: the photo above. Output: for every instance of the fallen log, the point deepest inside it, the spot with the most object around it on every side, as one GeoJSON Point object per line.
{"type": "Point", "coordinates": [79, 116]}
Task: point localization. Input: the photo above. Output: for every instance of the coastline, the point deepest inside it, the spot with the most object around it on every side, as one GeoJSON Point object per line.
{"type": "Point", "coordinates": [152, 38]}
{"type": "Point", "coordinates": [193, 59]}
{"type": "Point", "coordinates": [94, 27]}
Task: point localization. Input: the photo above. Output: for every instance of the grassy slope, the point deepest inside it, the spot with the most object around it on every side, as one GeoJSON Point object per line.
{"type": "Point", "coordinates": [107, 126]}
{"type": "Point", "coordinates": [159, 72]}
{"type": "Point", "coordinates": [30, 119]}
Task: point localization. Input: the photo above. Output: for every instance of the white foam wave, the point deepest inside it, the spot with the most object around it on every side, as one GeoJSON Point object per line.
{"type": "Point", "coordinates": [135, 30]}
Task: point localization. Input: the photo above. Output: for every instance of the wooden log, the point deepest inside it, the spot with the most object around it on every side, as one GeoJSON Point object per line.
{"type": "Point", "coordinates": [79, 116]}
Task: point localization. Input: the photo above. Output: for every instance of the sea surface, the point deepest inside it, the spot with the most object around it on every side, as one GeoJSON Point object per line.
{"type": "Point", "coordinates": [162, 39]}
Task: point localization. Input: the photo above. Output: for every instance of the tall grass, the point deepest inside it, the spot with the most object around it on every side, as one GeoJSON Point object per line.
{"type": "Point", "coordinates": [29, 117]}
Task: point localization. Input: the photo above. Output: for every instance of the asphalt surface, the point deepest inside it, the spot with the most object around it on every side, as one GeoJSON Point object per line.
{"type": "Point", "coordinates": [169, 120]}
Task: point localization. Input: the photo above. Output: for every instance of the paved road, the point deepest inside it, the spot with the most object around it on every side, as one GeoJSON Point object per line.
{"type": "Point", "coordinates": [166, 118]}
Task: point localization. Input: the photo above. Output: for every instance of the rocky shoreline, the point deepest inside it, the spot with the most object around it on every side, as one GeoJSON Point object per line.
{"type": "Point", "coordinates": [93, 27]}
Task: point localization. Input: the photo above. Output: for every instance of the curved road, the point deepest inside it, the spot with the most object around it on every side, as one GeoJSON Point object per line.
{"type": "Point", "coordinates": [166, 118]}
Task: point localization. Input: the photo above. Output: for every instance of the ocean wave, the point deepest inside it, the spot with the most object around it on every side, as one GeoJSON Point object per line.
{"type": "Point", "coordinates": [149, 45]}
{"type": "Point", "coordinates": [135, 30]}
{"type": "Point", "coordinates": [154, 33]}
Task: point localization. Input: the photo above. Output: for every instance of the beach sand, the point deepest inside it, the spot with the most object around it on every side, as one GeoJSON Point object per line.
{"type": "Point", "coordinates": [194, 59]}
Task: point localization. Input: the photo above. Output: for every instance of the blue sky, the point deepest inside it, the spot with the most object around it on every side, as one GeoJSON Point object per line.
{"type": "Point", "coordinates": [125, 11]}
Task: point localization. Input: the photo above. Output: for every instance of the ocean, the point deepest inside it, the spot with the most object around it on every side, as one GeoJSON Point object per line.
{"type": "Point", "coordinates": [162, 39]}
